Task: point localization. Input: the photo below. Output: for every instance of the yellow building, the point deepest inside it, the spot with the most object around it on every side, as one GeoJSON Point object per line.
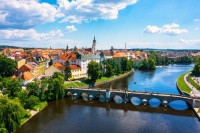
{"type": "Point", "coordinates": [76, 72]}
{"type": "Point", "coordinates": [21, 63]}
{"type": "Point", "coordinates": [41, 63]}
{"type": "Point", "coordinates": [36, 68]}
{"type": "Point", "coordinates": [57, 67]}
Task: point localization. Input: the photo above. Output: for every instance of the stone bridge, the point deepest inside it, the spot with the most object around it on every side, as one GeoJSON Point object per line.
{"type": "Point", "coordinates": [126, 96]}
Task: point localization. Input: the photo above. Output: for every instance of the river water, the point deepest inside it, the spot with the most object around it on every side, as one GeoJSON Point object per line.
{"type": "Point", "coordinates": [79, 116]}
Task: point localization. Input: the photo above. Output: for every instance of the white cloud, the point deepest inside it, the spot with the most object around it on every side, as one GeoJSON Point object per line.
{"type": "Point", "coordinates": [196, 20]}
{"type": "Point", "coordinates": [30, 35]}
{"type": "Point", "coordinates": [78, 11]}
{"type": "Point", "coordinates": [152, 29]}
{"type": "Point", "coordinates": [71, 28]}
{"type": "Point", "coordinates": [197, 41]}
{"type": "Point", "coordinates": [24, 14]}
{"type": "Point", "coordinates": [196, 28]}
{"type": "Point", "coordinates": [169, 29]}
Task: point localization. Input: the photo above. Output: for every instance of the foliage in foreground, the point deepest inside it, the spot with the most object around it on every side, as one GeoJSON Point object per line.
{"type": "Point", "coordinates": [11, 112]}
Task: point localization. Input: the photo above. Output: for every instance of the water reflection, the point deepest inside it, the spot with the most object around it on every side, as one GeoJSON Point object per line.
{"type": "Point", "coordinates": [135, 101]}
{"type": "Point", "coordinates": [118, 99]}
{"type": "Point", "coordinates": [69, 115]}
{"type": "Point", "coordinates": [154, 102]}
{"type": "Point", "coordinates": [178, 105]}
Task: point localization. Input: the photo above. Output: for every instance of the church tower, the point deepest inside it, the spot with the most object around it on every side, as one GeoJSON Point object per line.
{"type": "Point", "coordinates": [93, 50]}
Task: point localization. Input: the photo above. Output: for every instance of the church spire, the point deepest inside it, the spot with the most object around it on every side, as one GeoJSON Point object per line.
{"type": "Point", "coordinates": [94, 41]}
{"type": "Point", "coordinates": [93, 50]}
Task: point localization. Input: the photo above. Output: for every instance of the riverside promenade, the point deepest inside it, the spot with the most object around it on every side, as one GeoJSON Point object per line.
{"type": "Point", "coordinates": [195, 93]}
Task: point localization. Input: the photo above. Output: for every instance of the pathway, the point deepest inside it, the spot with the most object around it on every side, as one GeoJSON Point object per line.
{"type": "Point", "coordinates": [195, 92]}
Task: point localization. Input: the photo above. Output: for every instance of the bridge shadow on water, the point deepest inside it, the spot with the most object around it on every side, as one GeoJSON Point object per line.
{"type": "Point", "coordinates": [131, 107]}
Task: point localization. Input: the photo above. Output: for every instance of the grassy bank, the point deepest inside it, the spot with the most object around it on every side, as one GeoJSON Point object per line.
{"type": "Point", "coordinates": [182, 85]}
{"type": "Point", "coordinates": [193, 83]}
{"type": "Point", "coordinates": [87, 82]}
{"type": "Point", "coordinates": [37, 108]}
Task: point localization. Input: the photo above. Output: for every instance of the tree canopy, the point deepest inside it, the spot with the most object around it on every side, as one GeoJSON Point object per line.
{"type": "Point", "coordinates": [68, 73]}
{"type": "Point", "coordinates": [93, 70]}
{"type": "Point", "coordinates": [7, 66]}
{"type": "Point", "coordinates": [196, 69]}
{"type": "Point", "coordinates": [183, 60]}
{"type": "Point", "coordinates": [11, 112]}
{"type": "Point", "coordinates": [148, 64]}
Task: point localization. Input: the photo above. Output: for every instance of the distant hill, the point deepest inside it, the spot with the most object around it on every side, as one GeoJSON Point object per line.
{"type": "Point", "coordinates": [7, 46]}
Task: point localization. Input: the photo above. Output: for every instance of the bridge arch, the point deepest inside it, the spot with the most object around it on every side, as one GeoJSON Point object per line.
{"type": "Point", "coordinates": [179, 105]}
{"type": "Point", "coordinates": [118, 99]}
{"type": "Point", "coordinates": [154, 102]}
{"type": "Point", "coordinates": [135, 100]}
{"type": "Point", "coordinates": [100, 97]}
{"type": "Point", "coordinates": [84, 96]}
{"type": "Point", "coordinates": [69, 94]}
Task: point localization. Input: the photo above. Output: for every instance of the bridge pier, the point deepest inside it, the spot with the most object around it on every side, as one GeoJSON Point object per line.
{"type": "Point", "coordinates": [164, 103]}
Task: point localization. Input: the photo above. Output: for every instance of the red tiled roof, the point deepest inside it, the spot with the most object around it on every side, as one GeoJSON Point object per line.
{"type": "Point", "coordinates": [74, 67]}
{"type": "Point", "coordinates": [119, 55]}
{"type": "Point", "coordinates": [69, 56]}
{"type": "Point", "coordinates": [24, 68]}
{"type": "Point", "coordinates": [27, 76]}
{"type": "Point", "coordinates": [59, 66]}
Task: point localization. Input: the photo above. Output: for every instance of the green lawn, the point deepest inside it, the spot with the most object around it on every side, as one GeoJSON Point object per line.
{"type": "Point", "coordinates": [80, 84]}
{"type": "Point", "coordinates": [85, 83]}
{"type": "Point", "coordinates": [182, 85]}
{"type": "Point", "coordinates": [193, 83]}
{"type": "Point", "coordinates": [68, 85]}
{"type": "Point", "coordinates": [40, 106]}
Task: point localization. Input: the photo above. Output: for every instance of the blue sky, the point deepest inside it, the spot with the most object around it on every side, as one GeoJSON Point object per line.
{"type": "Point", "coordinates": [161, 24]}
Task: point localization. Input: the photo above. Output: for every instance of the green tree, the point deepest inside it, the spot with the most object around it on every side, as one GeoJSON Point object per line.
{"type": "Point", "coordinates": [31, 102]}
{"type": "Point", "coordinates": [124, 62]}
{"type": "Point", "coordinates": [68, 73]}
{"type": "Point", "coordinates": [58, 89]}
{"type": "Point", "coordinates": [109, 70]}
{"type": "Point", "coordinates": [55, 88]}
{"type": "Point", "coordinates": [23, 96]}
{"type": "Point", "coordinates": [50, 62]}
{"type": "Point", "coordinates": [130, 65]}
{"type": "Point", "coordinates": [118, 69]}
{"type": "Point", "coordinates": [11, 112]}
{"type": "Point", "coordinates": [151, 64]}
{"type": "Point", "coordinates": [13, 87]}
{"type": "Point", "coordinates": [33, 89]}
{"type": "Point", "coordinates": [93, 70]}
{"type": "Point", "coordinates": [184, 60]}
{"type": "Point", "coordinates": [196, 69]}
{"type": "Point", "coordinates": [7, 66]}
{"type": "Point", "coordinates": [147, 64]}
{"type": "Point", "coordinates": [58, 75]}
{"type": "Point", "coordinates": [49, 91]}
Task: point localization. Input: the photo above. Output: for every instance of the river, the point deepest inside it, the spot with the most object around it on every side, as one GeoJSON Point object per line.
{"type": "Point", "coordinates": [79, 116]}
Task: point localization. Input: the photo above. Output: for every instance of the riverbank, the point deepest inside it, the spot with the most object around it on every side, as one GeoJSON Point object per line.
{"type": "Point", "coordinates": [182, 86]}
{"type": "Point", "coordinates": [39, 108]}
{"type": "Point", "coordinates": [103, 80]}
{"type": "Point", "coordinates": [115, 78]}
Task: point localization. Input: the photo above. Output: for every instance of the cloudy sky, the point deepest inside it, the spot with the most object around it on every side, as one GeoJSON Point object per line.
{"type": "Point", "coordinates": [138, 23]}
